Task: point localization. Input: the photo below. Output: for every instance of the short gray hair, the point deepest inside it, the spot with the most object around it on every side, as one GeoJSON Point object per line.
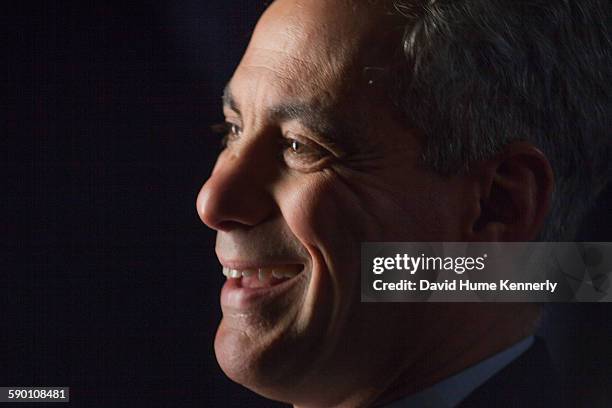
{"type": "Point", "coordinates": [478, 74]}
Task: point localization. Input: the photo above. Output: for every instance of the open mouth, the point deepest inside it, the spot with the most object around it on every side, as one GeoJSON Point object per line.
{"type": "Point", "coordinates": [262, 277]}
{"type": "Point", "coordinates": [248, 287]}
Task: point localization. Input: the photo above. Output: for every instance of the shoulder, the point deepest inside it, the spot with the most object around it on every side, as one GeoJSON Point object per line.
{"type": "Point", "coordinates": [529, 381]}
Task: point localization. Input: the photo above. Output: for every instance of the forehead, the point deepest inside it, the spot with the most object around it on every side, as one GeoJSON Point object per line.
{"type": "Point", "coordinates": [315, 51]}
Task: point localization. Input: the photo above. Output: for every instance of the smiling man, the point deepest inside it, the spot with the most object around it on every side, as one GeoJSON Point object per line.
{"type": "Point", "coordinates": [354, 121]}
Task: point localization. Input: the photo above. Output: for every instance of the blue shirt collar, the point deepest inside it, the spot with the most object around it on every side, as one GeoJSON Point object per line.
{"type": "Point", "coordinates": [451, 391]}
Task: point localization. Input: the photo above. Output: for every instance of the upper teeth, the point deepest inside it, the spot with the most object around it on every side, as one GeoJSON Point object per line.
{"type": "Point", "coordinates": [278, 272]}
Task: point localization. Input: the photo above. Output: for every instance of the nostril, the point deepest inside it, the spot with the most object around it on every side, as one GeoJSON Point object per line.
{"type": "Point", "coordinates": [227, 226]}
{"type": "Point", "coordinates": [224, 206]}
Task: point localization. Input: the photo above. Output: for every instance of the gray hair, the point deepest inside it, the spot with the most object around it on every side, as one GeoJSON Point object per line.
{"type": "Point", "coordinates": [479, 74]}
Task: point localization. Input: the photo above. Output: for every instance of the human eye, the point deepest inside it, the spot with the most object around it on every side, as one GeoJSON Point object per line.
{"type": "Point", "coordinates": [302, 154]}
{"type": "Point", "coordinates": [229, 131]}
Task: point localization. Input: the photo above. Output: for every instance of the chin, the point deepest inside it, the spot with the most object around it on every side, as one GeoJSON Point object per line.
{"type": "Point", "coordinates": [266, 369]}
{"type": "Point", "coordinates": [270, 341]}
{"type": "Point", "coordinates": [235, 356]}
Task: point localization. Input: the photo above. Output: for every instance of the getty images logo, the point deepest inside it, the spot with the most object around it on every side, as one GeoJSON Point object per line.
{"type": "Point", "coordinates": [412, 264]}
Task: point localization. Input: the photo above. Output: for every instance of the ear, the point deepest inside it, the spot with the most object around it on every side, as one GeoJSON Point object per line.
{"type": "Point", "coordinates": [514, 190]}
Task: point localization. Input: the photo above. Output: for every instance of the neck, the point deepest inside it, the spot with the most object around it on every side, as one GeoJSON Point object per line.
{"type": "Point", "coordinates": [444, 360]}
{"type": "Point", "coordinates": [472, 335]}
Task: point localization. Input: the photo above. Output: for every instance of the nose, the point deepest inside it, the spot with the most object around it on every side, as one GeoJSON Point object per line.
{"type": "Point", "coordinates": [235, 195]}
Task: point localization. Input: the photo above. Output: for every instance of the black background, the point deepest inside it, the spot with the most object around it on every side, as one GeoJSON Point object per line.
{"type": "Point", "coordinates": [110, 284]}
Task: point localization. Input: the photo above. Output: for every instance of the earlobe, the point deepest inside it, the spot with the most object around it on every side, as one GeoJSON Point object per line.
{"type": "Point", "coordinates": [515, 192]}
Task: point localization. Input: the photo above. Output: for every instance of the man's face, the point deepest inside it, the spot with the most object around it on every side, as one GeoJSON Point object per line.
{"type": "Point", "coordinates": [316, 163]}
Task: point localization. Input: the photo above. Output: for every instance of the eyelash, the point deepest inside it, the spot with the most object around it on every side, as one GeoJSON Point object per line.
{"type": "Point", "coordinates": [231, 131]}
{"type": "Point", "coordinates": [293, 146]}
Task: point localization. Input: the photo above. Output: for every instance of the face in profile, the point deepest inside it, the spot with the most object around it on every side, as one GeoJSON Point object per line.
{"type": "Point", "coordinates": [316, 162]}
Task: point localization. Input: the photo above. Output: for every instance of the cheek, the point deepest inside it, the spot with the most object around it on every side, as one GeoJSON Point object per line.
{"type": "Point", "coordinates": [325, 216]}
{"type": "Point", "coordinates": [337, 213]}
{"type": "Point", "coordinates": [324, 213]}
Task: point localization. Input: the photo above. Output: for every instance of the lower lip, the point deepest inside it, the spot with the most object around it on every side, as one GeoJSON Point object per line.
{"type": "Point", "coordinates": [235, 296]}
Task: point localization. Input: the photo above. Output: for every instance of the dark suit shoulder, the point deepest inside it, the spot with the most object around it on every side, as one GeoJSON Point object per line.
{"type": "Point", "coordinates": [529, 381]}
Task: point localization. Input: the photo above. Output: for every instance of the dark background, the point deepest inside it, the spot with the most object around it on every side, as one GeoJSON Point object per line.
{"type": "Point", "coordinates": [109, 280]}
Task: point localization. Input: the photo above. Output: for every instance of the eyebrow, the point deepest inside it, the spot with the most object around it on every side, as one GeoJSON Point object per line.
{"type": "Point", "coordinates": [324, 121]}
{"type": "Point", "coordinates": [229, 100]}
